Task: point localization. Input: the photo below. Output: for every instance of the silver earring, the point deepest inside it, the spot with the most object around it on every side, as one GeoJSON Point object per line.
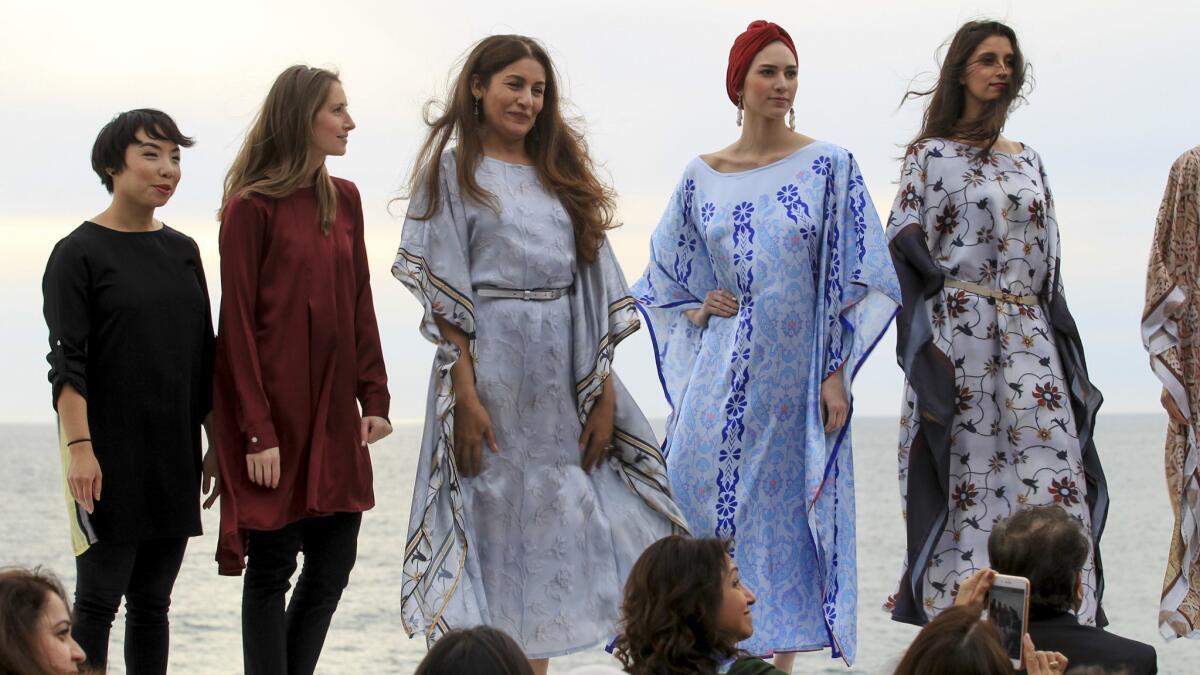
{"type": "Point", "coordinates": [792, 119]}
{"type": "Point", "coordinates": [739, 115]}
{"type": "Point", "coordinates": [476, 107]}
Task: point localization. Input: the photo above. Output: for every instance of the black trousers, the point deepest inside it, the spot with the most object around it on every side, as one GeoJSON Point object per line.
{"type": "Point", "coordinates": [144, 573]}
{"type": "Point", "coordinates": [276, 641]}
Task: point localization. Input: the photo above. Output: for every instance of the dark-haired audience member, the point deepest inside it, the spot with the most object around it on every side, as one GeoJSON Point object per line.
{"type": "Point", "coordinates": [959, 641]}
{"type": "Point", "coordinates": [35, 625]}
{"type": "Point", "coordinates": [481, 650]}
{"type": "Point", "coordinates": [685, 609]}
{"type": "Point", "coordinates": [1049, 547]}
{"type": "Point", "coordinates": [131, 351]}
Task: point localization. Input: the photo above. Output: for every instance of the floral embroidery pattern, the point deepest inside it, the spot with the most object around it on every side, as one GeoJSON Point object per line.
{"type": "Point", "coordinates": [1014, 436]}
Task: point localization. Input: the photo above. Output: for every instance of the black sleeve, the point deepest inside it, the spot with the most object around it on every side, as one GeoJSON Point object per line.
{"type": "Point", "coordinates": [65, 304]}
{"type": "Point", "coordinates": [208, 349]}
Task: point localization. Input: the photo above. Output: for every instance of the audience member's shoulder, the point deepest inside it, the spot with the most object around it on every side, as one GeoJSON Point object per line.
{"type": "Point", "coordinates": [751, 665]}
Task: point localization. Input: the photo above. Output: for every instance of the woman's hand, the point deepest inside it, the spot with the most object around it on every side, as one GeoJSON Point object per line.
{"type": "Point", "coordinates": [263, 467]}
{"type": "Point", "coordinates": [210, 483]}
{"type": "Point", "coordinates": [597, 435]}
{"type": "Point", "coordinates": [1042, 663]}
{"type": "Point", "coordinates": [835, 406]}
{"type": "Point", "coordinates": [84, 477]}
{"type": "Point", "coordinates": [716, 303]}
{"type": "Point", "coordinates": [1168, 402]}
{"type": "Point", "coordinates": [472, 428]}
{"type": "Point", "coordinates": [374, 428]}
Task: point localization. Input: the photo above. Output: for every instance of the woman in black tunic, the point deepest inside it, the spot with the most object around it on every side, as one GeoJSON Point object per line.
{"type": "Point", "coordinates": [131, 347]}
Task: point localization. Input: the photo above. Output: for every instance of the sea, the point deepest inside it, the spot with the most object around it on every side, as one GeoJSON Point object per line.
{"type": "Point", "coordinates": [368, 637]}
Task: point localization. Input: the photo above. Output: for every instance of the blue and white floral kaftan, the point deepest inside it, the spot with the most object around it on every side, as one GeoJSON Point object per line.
{"type": "Point", "coordinates": [799, 244]}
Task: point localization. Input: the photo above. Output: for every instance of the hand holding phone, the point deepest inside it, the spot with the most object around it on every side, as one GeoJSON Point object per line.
{"type": "Point", "coordinates": [1008, 610]}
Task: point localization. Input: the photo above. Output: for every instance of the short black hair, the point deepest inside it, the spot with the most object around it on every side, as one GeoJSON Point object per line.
{"type": "Point", "coordinates": [1046, 545]}
{"type": "Point", "coordinates": [108, 152]}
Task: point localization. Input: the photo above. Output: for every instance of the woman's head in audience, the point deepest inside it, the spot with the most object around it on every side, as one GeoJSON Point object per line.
{"type": "Point", "coordinates": [35, 625]}
{"type": "Point", "coordinates": [481, 650]}
{"type": "Point", "coordinates": [685, 608]}
{"type": "Point", "coordinates": [958, 642]}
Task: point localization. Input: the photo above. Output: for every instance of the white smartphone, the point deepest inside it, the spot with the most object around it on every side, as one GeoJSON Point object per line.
{"type": "Point", "coordinates": [1008, 610]}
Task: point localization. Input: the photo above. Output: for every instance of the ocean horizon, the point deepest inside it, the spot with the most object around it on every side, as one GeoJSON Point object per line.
{"type": "Point", "coordinates": [368, 637]}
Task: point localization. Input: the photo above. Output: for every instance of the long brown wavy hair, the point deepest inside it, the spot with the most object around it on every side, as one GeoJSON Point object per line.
{"type": "Point", "coordinates": [23, 597]}
{"type": "Point", "coordinates": [669, 614]}
{"type": "Point", "coordinates": [944, 112]}
{"type": "Point", "coordinates": [273, 159]}
{"type": "Point", "coordinates": [557, 148]}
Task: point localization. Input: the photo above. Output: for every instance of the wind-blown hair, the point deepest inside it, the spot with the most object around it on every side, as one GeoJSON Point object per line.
{"type": "Point", "coordinates": [273, 159]}
{"type": "Point", "coordinates": [671, 607]}
{"type": "Point", "coordinates": [558, 150]}
{"type": "Point", "coordinates": [944, 113]}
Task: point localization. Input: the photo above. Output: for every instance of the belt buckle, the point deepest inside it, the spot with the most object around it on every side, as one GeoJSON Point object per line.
{"type": "Point", "coordinates": [526, 294]}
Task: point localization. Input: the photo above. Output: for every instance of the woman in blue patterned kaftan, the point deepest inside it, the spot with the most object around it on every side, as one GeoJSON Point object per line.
{"type": "Point", "coordinates": [539, 483]}
{"type": "Point", "coordinates": [798, 244]}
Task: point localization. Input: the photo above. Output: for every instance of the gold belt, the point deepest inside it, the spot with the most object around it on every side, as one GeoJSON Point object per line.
{"type": "Point", "coordinates": [1002, 296]}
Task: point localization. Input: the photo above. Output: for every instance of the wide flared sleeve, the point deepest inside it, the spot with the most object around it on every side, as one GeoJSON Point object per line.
{"type": "Point", "coordinates": [1168, 327]}
{"type": "Point", "coordinates": [204, 400]}
{"type": "Point", "coordinates": [433, 262]}
{"type": "Point", "coordinates": [603, 313]}
{"type": "Point", "coordinates": [242, 243]}
{"type": "Point", "coordinates": [372, 391]}
{"type": "Point", "coordinates": [65, 292]}
{"type": "Point", "coordinates": [861, 290]}
{"type": "Point", "coordinates": [677, 278]}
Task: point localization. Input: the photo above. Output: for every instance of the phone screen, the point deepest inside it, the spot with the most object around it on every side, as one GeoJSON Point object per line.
{"type": "Point", "coordinates": [1006, 609]}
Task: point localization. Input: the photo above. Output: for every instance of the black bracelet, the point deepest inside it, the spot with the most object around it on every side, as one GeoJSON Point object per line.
{"type": "Point", "coordinates": [78, 440]}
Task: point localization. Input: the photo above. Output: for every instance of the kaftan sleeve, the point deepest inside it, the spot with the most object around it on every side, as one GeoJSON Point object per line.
{"type": "Point", "coordinates": [243, 242]}
{"type": "Point", "coordinates": [1170, 275]}
{"type": "Point", "coordinates": [909, 205]}
{"type": "Point", "coordinates": [677, 278]}
{"type": "Point", "coordinates": [861, 291]}
{"type": "Point", "coordinates": [65, 291]}
{"type": "Point", "coordinates": [433, 261]}
{"type": "Point", "coordinates": [372, 391]}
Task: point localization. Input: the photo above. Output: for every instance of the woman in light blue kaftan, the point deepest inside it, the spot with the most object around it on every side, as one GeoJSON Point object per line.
{"type": "Point", "coordinates": [532, 545]}
{"type": "Point", "coordinates": [800, 245]}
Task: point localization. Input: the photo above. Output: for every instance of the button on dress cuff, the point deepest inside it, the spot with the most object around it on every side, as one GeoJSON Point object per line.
{"type": "Point", "coordinates": [259, 440]}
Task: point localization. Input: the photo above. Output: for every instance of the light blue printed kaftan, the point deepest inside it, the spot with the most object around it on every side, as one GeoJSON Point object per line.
{"type": "Point", "coordinates": [799, 244]}
{"type": "Point", "coordinates": [531, 545]}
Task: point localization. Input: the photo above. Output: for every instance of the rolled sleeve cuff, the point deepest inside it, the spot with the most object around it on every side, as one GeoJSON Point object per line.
{"type": "Point", "coordinates": [377, 408]}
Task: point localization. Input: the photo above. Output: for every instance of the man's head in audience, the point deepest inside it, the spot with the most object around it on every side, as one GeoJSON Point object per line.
{"type": "Point", "coordinates": [1048, 546]}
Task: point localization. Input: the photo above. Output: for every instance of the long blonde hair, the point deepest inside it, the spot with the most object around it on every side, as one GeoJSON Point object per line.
{"type": "Point", "coordinates": [557, 148]}
{"type": "Point", "coordinates": [273, 159]}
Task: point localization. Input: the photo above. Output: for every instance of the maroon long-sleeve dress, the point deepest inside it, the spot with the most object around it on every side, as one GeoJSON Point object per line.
{"type": "Point", "coordinates": [297, 353]}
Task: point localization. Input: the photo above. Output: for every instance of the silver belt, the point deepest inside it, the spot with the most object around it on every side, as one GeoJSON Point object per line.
{"type": "Point", "coordinates": [521, 294]}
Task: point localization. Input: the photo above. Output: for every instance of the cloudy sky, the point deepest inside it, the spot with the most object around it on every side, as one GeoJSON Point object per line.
{"type": "Point", "coordinates": [1114, 104]}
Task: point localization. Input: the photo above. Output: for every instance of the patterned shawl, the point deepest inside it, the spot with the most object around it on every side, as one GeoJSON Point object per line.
{"type": "Point", "coordinates": [1169, 323]}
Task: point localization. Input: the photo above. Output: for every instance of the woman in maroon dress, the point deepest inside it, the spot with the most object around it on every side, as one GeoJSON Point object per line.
{"type": "Point", "coordinates": [297, 353]}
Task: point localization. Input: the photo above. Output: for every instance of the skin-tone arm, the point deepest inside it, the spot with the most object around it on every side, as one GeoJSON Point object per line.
{"type": "Point", "coordinates": [472, 424]}
{"type": "Point", "coordinates": [597, 434]}
{"type": "Point", "coordinates": [84, 478]}
{"type": "Point", "coordinates": [211, 477]}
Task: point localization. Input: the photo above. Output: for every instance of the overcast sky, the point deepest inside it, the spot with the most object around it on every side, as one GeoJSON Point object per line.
{"type": "Point", "coordinates": [1114, 104]}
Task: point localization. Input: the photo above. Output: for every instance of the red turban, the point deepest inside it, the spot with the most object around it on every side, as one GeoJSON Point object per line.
{"type": "Point", "coordinates": [758, 34]}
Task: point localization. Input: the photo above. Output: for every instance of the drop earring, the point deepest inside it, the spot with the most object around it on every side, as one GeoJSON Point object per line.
{"type": "Point", "coordinates": [739, 114]}
{"type": "Point", "coordinates": [476, 107]}
{"type": "Point", "coordinates": [792, 119]}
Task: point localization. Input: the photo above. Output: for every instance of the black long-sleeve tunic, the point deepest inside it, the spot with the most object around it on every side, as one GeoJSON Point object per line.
{"type": "Point", "coordinates": [131, 331]}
